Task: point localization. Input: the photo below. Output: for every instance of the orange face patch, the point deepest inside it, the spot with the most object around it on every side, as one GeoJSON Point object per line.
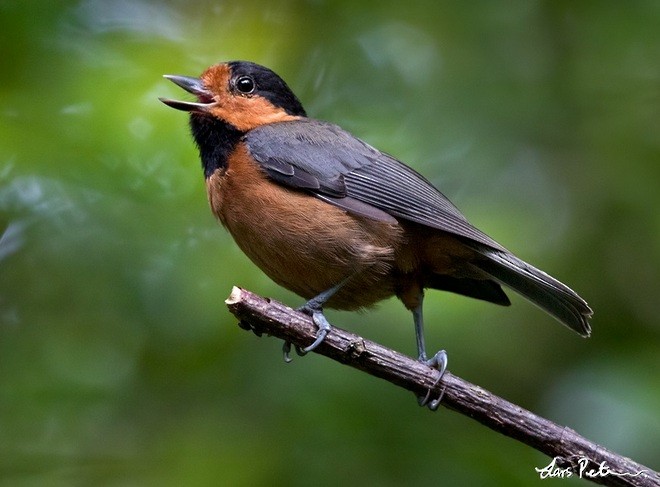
{"type": "Point", "coordinates": [244, 112]}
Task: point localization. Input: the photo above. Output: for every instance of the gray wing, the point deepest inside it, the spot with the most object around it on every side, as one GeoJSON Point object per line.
{"type": "Point", "coordinates": [339, 168]}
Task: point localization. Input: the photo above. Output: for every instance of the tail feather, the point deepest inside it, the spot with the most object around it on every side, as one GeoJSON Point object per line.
{"type": "Point", "coordinates": [538, 287]}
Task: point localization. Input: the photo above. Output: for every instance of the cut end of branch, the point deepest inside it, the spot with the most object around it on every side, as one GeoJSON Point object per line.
{"type": "Point", "coordinates": [235, 296]}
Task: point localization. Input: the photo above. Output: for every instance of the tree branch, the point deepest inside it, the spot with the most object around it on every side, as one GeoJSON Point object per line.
{"type": "Point", "coordinates": [573, 452]}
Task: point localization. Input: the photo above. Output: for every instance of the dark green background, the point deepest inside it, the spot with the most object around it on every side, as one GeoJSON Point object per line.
{"type": "Point", "coordinates": [119, 363]}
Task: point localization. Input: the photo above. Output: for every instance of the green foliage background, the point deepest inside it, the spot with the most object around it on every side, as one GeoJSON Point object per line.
{"type": "Point", "coordinates": [119, 364]}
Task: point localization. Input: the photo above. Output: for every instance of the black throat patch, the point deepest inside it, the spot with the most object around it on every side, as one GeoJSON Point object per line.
{"type": "Point", "coordinates": [215, 140]}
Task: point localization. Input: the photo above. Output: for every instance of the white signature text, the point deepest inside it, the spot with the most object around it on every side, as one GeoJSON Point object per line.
{"type": "Point", "coordinates": [582, 467]}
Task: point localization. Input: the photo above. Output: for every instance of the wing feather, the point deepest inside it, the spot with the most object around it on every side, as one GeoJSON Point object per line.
{"type": "Point", "coordinates": [343, 170]}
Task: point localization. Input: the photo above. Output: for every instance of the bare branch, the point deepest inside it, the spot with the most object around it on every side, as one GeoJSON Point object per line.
{"type": "Point", "coordinates": [573, 452]}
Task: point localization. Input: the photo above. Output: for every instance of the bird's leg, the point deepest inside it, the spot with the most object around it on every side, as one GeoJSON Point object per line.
{"type": "Point", "coordinates": [438, 361]}
{"type": "Point", "coordinates": [314, 308]}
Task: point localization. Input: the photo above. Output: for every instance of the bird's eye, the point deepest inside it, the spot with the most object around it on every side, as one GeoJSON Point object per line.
{"type": "Point", "coordinates": [245, 84]}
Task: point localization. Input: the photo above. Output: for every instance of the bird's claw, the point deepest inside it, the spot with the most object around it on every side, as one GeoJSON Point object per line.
{"type": "Point", "coordinates": [286, 349]}
{"type": "Point", "coordinates": [319, 320]}
{"type": "Point", "coordinates": [439, 362]}
{"type": "Point", "coordinates": [323, 325]}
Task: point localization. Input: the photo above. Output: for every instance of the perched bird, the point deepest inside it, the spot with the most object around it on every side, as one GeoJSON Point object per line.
{"type": "Point", "coordinates": [337, 221]}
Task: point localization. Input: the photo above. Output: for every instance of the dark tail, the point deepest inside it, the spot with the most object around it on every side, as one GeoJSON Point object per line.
{"type": "Point", "coordinates": [544, 291]}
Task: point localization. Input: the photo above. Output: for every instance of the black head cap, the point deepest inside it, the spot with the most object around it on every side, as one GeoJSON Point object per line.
{"type": "Point", "coordinates": [265, 83]}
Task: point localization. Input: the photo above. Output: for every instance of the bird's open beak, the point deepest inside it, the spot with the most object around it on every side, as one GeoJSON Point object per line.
{"type": "Point", "coordinates": [194, 86]}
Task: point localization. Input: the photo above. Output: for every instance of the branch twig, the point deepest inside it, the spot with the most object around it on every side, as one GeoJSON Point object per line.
{"type": "Point", "coordinates": [573, 452]}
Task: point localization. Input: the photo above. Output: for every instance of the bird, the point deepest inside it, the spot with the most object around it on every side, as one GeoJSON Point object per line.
{"type": "Point", "coordinates": [337, 221]}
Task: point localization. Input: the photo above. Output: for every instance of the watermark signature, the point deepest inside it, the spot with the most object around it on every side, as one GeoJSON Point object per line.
{"type": "Point", "coordinates": [581, 467]}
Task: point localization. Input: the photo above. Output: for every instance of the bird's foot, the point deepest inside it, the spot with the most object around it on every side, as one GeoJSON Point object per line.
{"type": "Point", "coordinates": [319, 319]}
{"type": "Point", "coordinates": [439, 362]}
{"type": "Point", "coordinates": [311, 308]}
{"type": "Point", "coordinates": [286, 349]}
